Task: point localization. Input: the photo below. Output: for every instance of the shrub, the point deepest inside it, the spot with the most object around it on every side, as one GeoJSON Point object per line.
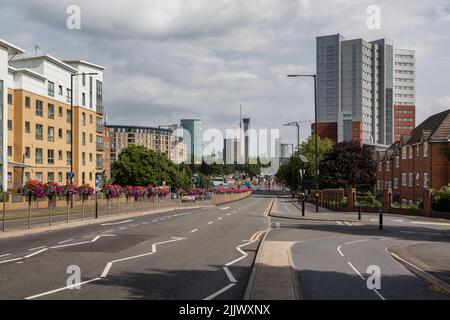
{"type": "Point", "coordinates": [441, 201]}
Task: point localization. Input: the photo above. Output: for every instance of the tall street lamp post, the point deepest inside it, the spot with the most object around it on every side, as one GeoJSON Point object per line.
{"type": "Point", "coordinates": [316, 174]}
{"type": "Point", "coordinates": [72, 117]}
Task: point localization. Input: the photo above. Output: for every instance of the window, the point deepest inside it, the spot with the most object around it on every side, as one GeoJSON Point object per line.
{"type": "Point", "coordinates": [39, 177]}
{"type": "Point", "coordinates": [39, 156]}
{"type": "Point", "coordinates": [83, 158]}
{"type": "Point", "coordinates": [69, 136]}
{"type": "Point", "coordinates": [83, 177]}
{"type": "Point", "coordinates": [27, 153]}
{"type": "Point", "coordinates": [411, 180]}
{"type": "Point", "coordinates": [68, 95]}
{"type": "Point", "coordinates": [50, 156]}
{"type": "Point", "coordinates": [90, 176]}
{"type": "Point", "coordinates": [380, 166]}
{"type": "Point", "coordinates": [83, 99]}
{"type": "Point", "coordinates": [60, 177]}
{"type": "Point", "coordinates": [83, 80]}
{"type": "Point", "coordinates": [99, 97]}
{"type": "Point", "coordinates": [27, 176]}
{"type": "Point", "coordinates": [90, 92]}
{"type": "Point", "coordinates": [60, 155]}
{"type": "Point", "coordinates": [51, 89]}
{"type": "Point", "coordinates": [51, 111]}
{"type": "Point", "coordinates": [90, 157]}
{"type": "Point", "coordinates": [330, 49]}
{"type": "Point", "coordinates": [378, 184]}
{"type": "Point", "coordinates": [425, 149]}
{"type": "Point", "coordinates": [9, 151]}
{"type": "Point", "coordinates": [91, 138]}
{"type": "Point", "coordinates": [60, 92]}
{"type": "Point", "coordinates": [83, 119]}
{"type": "Point", "coordinates": [60, 111]}
{"type": "Point", "coordinates": [9, 176]}
{"type": "Point", "coordinates": [395, 183]}
{"type": "Point", "coordinates": [418, 179]}
{"type": "Point", "coordinates": [397, 162]}
{"type": "Point", "coordinates": [50, 177]}
{"type": "Point", "coordinates": [39, 132]}
{"type": "Point", "coordinates": [51, 134]}
{"type": "Point", "coordinates": [388, 166]}
{"type": "Point", "coordinates": [27, 102]}
{"type": "Point", "coordinates": [404, 182]}
{"type": "Point", "coordinates": [404, 153]}
{"type": "Point", "coordinates": [10, 99]}
{"type": "Point", "coordinates": [69, 157]}
{"type": "Point", "coordinates": [91, 119]}
{"type": "Point", "coordinates": [10, 125]}
{"type": "Point", "coordinates": [83, 138]}
{"type": "Point", "coordinates": [417, 151]}
{"type": "Point", "coordinates": [69, 116]}
{"type": "Point", "coordinates": [410, 152]}
{"type": "Point", "coordinates": [425, 180]}
{"type": "Point", "coordinates": [60, 133]}
{"type": "Point", "coordinates": [39, 108]}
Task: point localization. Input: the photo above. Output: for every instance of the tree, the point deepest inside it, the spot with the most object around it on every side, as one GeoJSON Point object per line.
{"type": "Point", "coordinates": [289, 173]}
{"type": "Point", "coordinates": [139, 166]}
{"type": "Point", "coordinates": [348, 164]}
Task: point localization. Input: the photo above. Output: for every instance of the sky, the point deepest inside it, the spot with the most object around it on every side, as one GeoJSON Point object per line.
{"type": "Point", "coordinates": [173, 59]}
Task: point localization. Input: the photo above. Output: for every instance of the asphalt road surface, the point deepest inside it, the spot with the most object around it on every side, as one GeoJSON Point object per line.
{"type": "Point", "coordinates": [184, 254]}
{"type": "Point", "coordinates": [332, 257]}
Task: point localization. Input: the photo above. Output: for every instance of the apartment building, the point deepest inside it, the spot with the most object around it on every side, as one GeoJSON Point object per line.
{"type": "Point", "coordinates": [360, 85]}
{"type": "Point", "coordinates": [417, 161]}
{"type": "Point", "coordinates": [119, 137]}
{"type": "Point", "coordinates": [46, 137]}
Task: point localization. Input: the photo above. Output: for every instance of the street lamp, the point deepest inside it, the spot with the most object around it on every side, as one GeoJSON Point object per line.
{"type": "Point", "coordinates": [169, 126]}
{"type": "Point", "coordinates": [315, 133]}
{"type": "Point", "coordinates": [72, 116]}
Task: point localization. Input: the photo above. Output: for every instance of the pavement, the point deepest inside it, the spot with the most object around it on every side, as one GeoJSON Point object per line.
{"type": "Point", "coordinates": [188, 254]}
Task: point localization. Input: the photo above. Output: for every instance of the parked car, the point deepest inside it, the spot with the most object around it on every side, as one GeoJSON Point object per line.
{"type": "Point", "coordinates": [188, 199]}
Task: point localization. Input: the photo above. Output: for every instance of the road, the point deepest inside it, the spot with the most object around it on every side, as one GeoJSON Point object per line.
{"type": "Point", "coordinates": [196, 254]}
{"type": "Point", "coordinates": [332, 257]}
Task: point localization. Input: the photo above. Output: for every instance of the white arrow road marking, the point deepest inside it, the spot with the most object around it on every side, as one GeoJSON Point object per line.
{"type": "Point", "coordinates": [115, 223]}
{"type": "Point", "coordinates": [230, 276]}
{"type": "Point", "coordinates": [83, 242]}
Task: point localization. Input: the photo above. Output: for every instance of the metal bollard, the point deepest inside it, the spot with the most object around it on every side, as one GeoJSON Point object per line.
{"type": "Point", "coordinates": [381, 221]}
{"type": "Point", "coordinates": [359, 212]}
{"type": "Point", "coordinates": [303, 207]}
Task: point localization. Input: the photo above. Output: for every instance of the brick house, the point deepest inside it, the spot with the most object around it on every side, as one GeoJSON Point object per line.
{"type": "Point", "coordinates": [416, 162]}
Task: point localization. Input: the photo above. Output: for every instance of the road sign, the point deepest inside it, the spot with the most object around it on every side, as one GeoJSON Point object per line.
{"type": "Point", "coordinates": [97, 181]}
{"type": "Point", "coordinates": [70, 175]}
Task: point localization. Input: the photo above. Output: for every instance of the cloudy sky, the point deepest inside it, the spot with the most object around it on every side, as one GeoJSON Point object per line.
{"type": "Point", "coordinates": [173, 59]}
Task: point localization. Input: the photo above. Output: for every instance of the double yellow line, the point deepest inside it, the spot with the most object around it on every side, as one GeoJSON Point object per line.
{"type": "Point", "coordinates": [269, 208]}
{"type": "Point", "coordinates": [257, 235]}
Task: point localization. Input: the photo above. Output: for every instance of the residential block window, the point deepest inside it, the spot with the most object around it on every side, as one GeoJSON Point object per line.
{"type": "Point", "coordinates": [39, 131]}
{"type": "Point", "coordinates": [410, 152]}
{"type": "Point", "coordinates": [91, 138]}
{"type": "Point", "coordinates": [60, 111]}
{"type": "Point", "coordinates": [411, 180]}
{"type": "Point", "coordinates": [404, 182]}
{"type": "Point", "coordinates": [50, 177]}
{"type": "Point", "coordinates": [9, 151]}
{"type": "Point", "coordinates": [60, 133]}
{"type": "Point", "coordinates": [418, 179]}
{"type": "Point", "coordinates": [380, 166]}
{"type": "Point", "coordinates": [388, 166]}
{"type": "Point", "coordinates": [378, 184]}
{"type": "Point", "coordinates": [425, 180]}
{"type": "Point", "coordinates": [51, 111]}
{"type": "Point", "coordinates": [83, 119]}
{"type": "Point", "coordinates": [60, 90]}
{"type": "Point", "coordinates": [60, 177]}
{"type": "Point", "coordinates": [27, 153]}
{"type": "Point", "coordinates": [27, 176]}
{"type": "Point", "coordinates": [51, 89]}
{"type": "Point", "coordinates": [417, 151]}
{"type": "Point", "coordinates": [50, 156]}
{"type": "Point", "coordinates": [91, 119]}
{"type": "Point", "coordinates": [90, 176]}
{"type": "Point", "coordinates": [27, 127]}
{"type": "Point", "coordinates": [83, 177]}
{"type": "Point", "coordinates": [395, 183]}
{"type": "Point", "coordinates": [10, 99]}
{"type": "Point", "coordinates": [39, 177]}
{"type": "Point", "coordinates": [60, 155]}
{"type": "Point", "coordinates": [425, 149]}
{"type": "Point", "coordinates": [404, 153]}
{"type": "Point", "coordinates": [83, 158]}
{"type": "Point", "coordinates": [397, 162]}
{"type": "Point", "coordinates": [83, 138]}
{"type": "Point", "coordinates": [39, 108]}
{"type": "Point", "coordinates": [69, 157]}
{"type": "Point", "coordinates": [10, 125]}
{"type": "Point", "coordinates": [69, 116]}
{"type": "Point", "coordinates": [83, 99]}
{"type": "Point", "coordinates": [27, 102]}
{"type": "Point", "coordinates": [69, 136]}
{"type": "Point", "coordinates": [90, 157]}
{"type": "Point", "coordinates": [51, 134]}
{"type": "Point", "coordinates": [83, 80]}
{"type": "Point", "coordinates": [39, 156]}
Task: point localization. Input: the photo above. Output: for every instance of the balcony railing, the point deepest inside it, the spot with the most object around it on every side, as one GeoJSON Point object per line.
{"type": "Point", "coordinates": [99, 146]}
{"type": "Point", "coordinates": [99, 127]}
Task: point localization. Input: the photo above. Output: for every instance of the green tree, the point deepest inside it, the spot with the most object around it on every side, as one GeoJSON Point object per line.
{"type": "Point", "coordinates": [348, 164]}
{"type": "Point", "coordinates": [308, 149]}
{"type": "Point", "coordinates": [139, 166]}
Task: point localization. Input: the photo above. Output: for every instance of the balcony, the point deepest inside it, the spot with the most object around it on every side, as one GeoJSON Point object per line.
{"type": "Point", "coordinates": [99, 146]}
{"type": "Point", "coordinates": [99, 128]}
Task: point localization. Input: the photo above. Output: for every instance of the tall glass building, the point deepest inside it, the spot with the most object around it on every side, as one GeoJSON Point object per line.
{"type": "Point", "coordinates": [193, 138]}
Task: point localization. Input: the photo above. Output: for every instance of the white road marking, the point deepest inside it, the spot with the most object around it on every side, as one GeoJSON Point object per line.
{"type": "Point", "coordinates": [228, 214]}
{"type": "Point", "coordinates": [220, 218]}
{"type": "Point", "coordinates": [357, 241]}
{"type": "Point", "coordinates": [284, 202]}
{"type": "Point", "coordinates": [431, 223]}
{"type": "Point", "coordinates": [83, 242]}
{"type": "Point", "coordinates": [379, 294]}
{"type": "Point", "coordinates": [106, 270]}
{"type": "Point", "coordinates": [33, 249]}
{"type": "Point", "coordinates": [61, 289]}
{"type": "Point", "coordinates": [339, 250]}
{"type": "Point", "coordinates": [123, 228]}
{"type": "Point", "coordinates": [35, 253]}
{"type": "Point", "coordinates": [231, 285]}
{"type": "Point", "coordinates": [210, 222]}
{"type": "Point", "coordinates": [356, 270]}
{"type": "Point", "coordinates": [115, 223]}
{"type": "Point", "coordinates": [134, 225]}
{"type": "Point", "coordinates": [348, 223]}
{"type": "Point", "coordinates": [234, 211]}
{"type": "Point", "coordinates": [11, 260]}
{"type": "Point", "coordinates": [107, 231]}
{"type": "Point", "coordinates": [65, 241]}
{"type": "Point", "coordinates": [195, 230]}
{"type": "Point", "coordinates": [225, 208]}
{"type": "Point", "coordinates": [339, 223]}
{"type": "Point", "coordinates": [401, 259]}
{"type": "Point", "coordinates": [146, 222]}
{"type": "Point", "coordinates": [156, 220]}
{"type": "Point", "coordinates": [230, 275]}
{"type": "Point", "coordinates": [5, 255]}
{"type": "Point", "coordinates": [397, 220]}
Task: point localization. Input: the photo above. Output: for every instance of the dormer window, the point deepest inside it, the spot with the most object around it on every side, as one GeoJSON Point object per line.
{"type": "Point", "coordinates": [425, 149]}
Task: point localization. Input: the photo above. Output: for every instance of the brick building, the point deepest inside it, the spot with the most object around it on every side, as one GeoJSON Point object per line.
{"type": "Point", "coordinates": [416, 162]}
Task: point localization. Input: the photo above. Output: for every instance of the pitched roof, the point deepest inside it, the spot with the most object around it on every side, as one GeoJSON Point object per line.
{"type": "Point", "coordinates": [435, 128]}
